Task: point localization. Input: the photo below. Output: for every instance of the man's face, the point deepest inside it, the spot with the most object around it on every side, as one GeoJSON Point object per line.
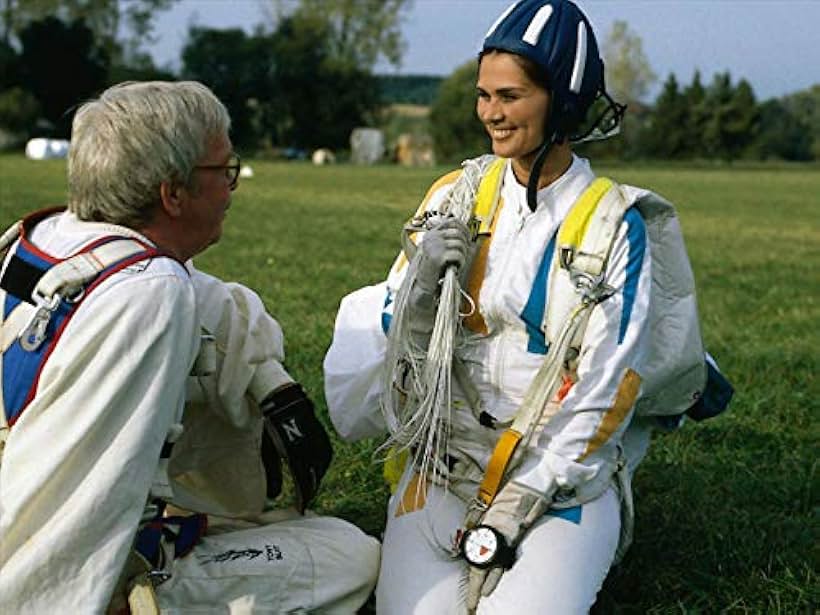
{"type": "Point", "coordinates": [209, 198]}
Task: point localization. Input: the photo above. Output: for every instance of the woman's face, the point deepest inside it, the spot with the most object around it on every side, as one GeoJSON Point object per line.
{"type": "Point", "coordinates": [511, 106]}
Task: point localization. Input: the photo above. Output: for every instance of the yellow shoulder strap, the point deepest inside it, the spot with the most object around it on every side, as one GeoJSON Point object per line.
{"type": "Point", "coordinates": [488, 204]}
{"type": "Point", "coordinates": [575, 225]}
{"type": "Point", "coordinates": [489, 190]}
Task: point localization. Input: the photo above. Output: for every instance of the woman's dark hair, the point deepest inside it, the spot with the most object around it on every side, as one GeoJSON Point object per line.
{"type": "Point", "coordinates": [534, 72]}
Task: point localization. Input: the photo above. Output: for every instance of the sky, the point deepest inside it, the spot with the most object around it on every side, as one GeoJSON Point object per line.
{"type": "Point", "coordinates": [773, 44]}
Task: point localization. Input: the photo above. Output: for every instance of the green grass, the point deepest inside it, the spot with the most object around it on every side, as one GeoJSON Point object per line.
{"type": "Point", "coordinates": [726, 510]}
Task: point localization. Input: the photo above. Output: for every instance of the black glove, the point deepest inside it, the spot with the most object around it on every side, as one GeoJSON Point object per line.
{"type": "Point", "coordinates": [295, 434]}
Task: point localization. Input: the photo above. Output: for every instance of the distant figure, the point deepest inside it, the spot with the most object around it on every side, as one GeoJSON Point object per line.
{"type": "Point", "coordinates": [108, 333]}
{"type": "Point", "coordinates": [46, 149]}
{"type": "Point", "coordinates": [414, 150]}
{"type": "Point", "coordinates": [516, 345]}
{"type": "Point", "coordinates": [366, 145]}
{"type": "Point", "coordinates": [323, 156]}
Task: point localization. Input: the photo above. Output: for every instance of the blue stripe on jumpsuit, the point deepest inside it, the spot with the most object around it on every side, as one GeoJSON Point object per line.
{"type": "Point", "coordinates": [533, 313]}
{"type": "Point", "coordinates": [387, 317]}
{"type": "Point", "coordinates": [636, 236]}
{"type": "Point", "coordinates": [533, 316]}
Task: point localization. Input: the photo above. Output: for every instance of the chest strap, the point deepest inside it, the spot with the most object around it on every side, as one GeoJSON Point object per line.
{"type": "Point", "coordinates": [585, 240]}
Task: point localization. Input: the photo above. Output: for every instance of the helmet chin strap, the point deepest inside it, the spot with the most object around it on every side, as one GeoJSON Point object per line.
{"type": "Point", "coordinates": [543, 151]}
{"type": "Point", "coordinates": [535, 169]}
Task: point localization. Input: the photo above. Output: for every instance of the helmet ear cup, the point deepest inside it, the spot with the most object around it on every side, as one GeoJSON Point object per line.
{"type": "Point", "coordinates": [563, 120]}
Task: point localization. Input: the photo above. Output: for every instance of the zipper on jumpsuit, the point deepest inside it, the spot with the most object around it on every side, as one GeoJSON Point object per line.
{"type": "Point", "coordinates": [498, 372]}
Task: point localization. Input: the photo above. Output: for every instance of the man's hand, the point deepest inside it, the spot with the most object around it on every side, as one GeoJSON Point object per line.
{"type": "Point", "coordinates": [512, 513]}
{"type": "Point", "coordinates": [298, 437]}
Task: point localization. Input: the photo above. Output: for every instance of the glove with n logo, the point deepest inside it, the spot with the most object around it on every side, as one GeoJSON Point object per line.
{"type": "Point", "coordinates": [293, 433]}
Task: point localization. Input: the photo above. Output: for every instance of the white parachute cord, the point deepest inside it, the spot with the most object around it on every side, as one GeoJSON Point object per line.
{"type": "Point", "coordinates": [436, 404]}
{"type": "Point", "coordinates": [417, 386]}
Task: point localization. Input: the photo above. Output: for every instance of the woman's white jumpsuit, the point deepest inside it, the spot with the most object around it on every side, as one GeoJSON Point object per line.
{"type": "Point", "coordinates": [564, 558]}
{"type": "Point", "coordinates": [78, 465]}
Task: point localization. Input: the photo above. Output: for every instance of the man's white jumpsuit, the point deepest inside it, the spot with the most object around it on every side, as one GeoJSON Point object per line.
{"type": "Point", "coordinates": [78, 465]}
{"type": "Point", "coordinates": [563, 560]}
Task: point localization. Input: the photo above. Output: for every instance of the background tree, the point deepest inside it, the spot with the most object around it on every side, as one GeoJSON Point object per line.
{"type": "Point", "coordinates": [10, 67]}
{"type": "Point", "coordinates": [19, 108]}
{"type": "Point", "coordinates": [457, 132]}
{"type": "Point", "coordinates": [744, 123]}
{"type": "Point", "coordinates": [359, 32]}
{"type": "Point", "coordinates": [733, 118]}
{"type": "Point", "coordinates": [696, 117]}
{"type": "Point", "coordinates": [19, 111]}
{"type": "Point", "coordinates": [665, 135]}
{"type": "Point", "coordinates": [805, 107]}
{"type": "Point", "coordinates": [628, 80]}
{"type": "Point", "coordinates": [717, 99]}
{"type": "Point", "coordinates": [408, 89]}
{"type": "Point", "coordinates": [782, 134]}
{"type": "Point", "coordinates": [319, 97]}
{"type": "Point", "coordinates": [628, 73]}
{"type": "Point", "coordinates": [239, 70]}
{"type": "Point", "coordinates": [62, 65]}
{"type": "Point", "coordinates": [105, 18]}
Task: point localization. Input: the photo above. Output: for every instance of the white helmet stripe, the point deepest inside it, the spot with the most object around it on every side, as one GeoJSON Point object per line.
{"type": "Point", "coordinates": [537, 24]}
{"type": "Point", "coordinates": [501, 18]}
{"type": "Point", "coordinates": [580, 60]}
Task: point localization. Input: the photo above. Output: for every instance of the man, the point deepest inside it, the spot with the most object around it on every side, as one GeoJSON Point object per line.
{"type": "Point", "coordinates": [107, 332]}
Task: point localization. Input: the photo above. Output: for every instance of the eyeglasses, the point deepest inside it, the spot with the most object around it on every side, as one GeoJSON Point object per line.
{"type": "Point", "coordinates": [231, 169]}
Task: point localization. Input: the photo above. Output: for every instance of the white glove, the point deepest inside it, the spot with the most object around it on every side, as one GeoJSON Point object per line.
{"type": "Point", "coordinates": [512, 513]}
{"type": "Point", "coordinates": [443, 245]}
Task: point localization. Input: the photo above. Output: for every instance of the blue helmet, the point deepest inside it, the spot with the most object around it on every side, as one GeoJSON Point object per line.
{"type": "Point", "coordinates": [557, 37]}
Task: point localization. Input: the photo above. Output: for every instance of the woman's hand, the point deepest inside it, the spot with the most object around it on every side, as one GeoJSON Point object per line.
{"type": "Point", "coordinates": [443, 245]}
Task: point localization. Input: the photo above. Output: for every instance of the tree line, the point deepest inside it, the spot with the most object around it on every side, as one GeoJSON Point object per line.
{"type": "Point", "coordinates": [308, 80]}
{"type": "Point", "coordinates": [305, 83]}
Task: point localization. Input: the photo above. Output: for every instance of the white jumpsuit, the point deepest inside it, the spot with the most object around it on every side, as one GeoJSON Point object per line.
{"type": "Point", "coordinates": [78, 465]}
{"type": "Point", "coordinates": [563, 560]}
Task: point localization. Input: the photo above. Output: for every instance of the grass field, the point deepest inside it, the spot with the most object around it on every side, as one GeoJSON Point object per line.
{"type": "Point", "coordinates": [727, 509]}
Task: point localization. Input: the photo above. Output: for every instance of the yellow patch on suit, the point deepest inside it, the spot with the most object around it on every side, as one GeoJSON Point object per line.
{"type": "Point", "coordinates": [624, 400]}
{"type": "Point", "coordinates": [414, 497]}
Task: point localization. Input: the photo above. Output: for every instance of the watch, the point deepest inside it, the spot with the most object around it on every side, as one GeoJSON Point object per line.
{"type": "Point", "coordinates": [485, 547]}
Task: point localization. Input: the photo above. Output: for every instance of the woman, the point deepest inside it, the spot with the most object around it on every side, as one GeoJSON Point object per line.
{"type": "Point", "coordinates": [543, 536]}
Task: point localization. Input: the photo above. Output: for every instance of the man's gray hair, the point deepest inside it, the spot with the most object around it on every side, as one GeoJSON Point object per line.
{"type": "Point", "coordinates": [132, 138]}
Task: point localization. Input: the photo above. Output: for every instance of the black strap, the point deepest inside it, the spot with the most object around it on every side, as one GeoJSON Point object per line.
{"type": "Point", "coordinates": [20, 278]}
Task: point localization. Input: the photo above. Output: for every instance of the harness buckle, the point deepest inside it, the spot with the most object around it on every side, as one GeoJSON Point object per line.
{"type": "Point", "coordinates": [34, 333]}
{"type": "Point", "coordinates": [158, 577]}
{"type": "Point", "coordinates": [591, 287]}
{"type": "Point", "coordinates": [474, 228]}
{"type": "Point", "coordinates": [477, 506]}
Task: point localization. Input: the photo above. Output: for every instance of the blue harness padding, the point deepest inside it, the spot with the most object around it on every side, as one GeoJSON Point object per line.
{"type": "Point", "coordinates": [183, 532]}
{"type": "Point", "coordinates": [21, 368]}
